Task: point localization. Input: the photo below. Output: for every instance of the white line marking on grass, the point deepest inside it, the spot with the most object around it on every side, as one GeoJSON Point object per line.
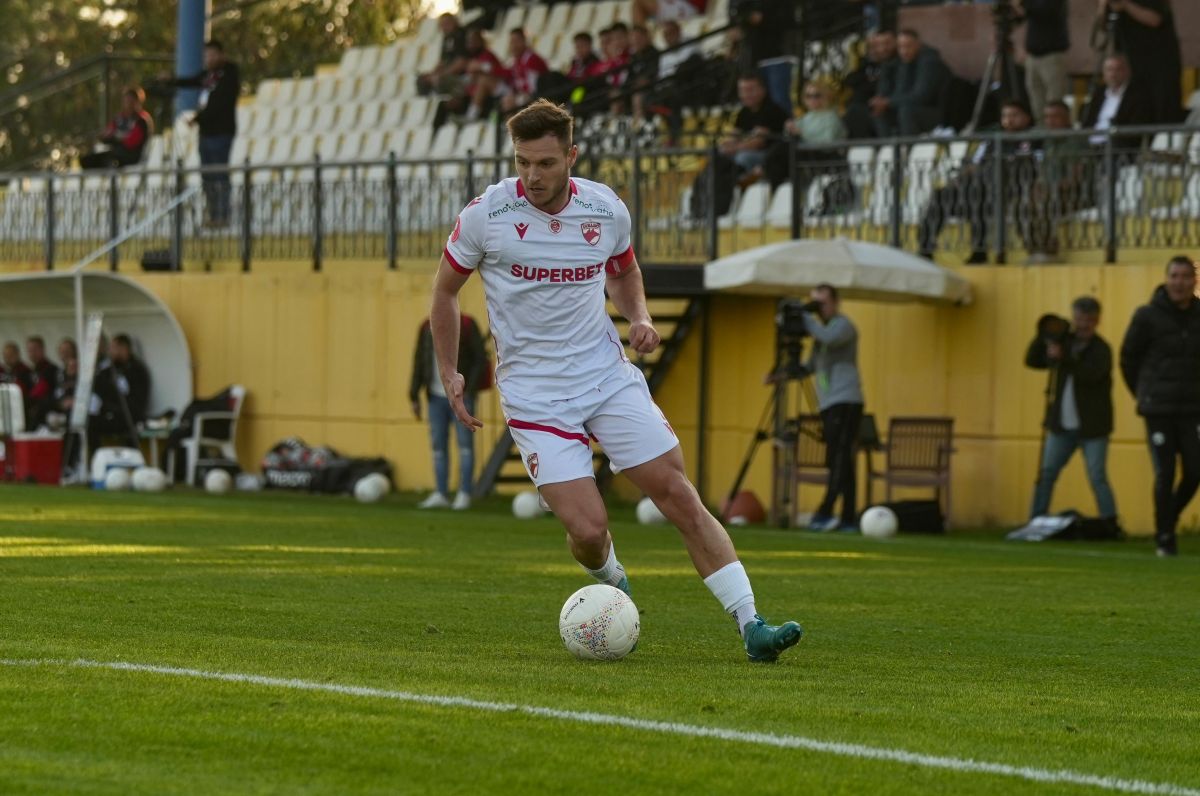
{"type": "Point", "coordinates": [859, 751]}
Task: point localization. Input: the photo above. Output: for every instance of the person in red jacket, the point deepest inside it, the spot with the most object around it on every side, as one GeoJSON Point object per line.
{"type": "Point", "coordinates": [521, 76]}
{"type": "Point", "coordinates": [43, 378]}
{"type": "Point", "coordinates": [125, 136]}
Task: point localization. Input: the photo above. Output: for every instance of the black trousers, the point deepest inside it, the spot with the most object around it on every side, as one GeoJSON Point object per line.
{"type": "Point", "coordinates": [1173, 437]}
{"type": "Point", "coordinates": [840, 424]}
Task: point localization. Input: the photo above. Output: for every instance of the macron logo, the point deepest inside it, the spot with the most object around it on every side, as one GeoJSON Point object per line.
{"type": "Point", "coordinates": [521, 229]}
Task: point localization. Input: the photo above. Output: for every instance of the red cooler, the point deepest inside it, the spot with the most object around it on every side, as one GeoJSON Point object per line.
{"type": "Point", "coordinates": [34, 457]}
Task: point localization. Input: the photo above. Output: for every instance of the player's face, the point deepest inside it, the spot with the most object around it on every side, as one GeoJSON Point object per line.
{"type": "Point", "coordinates": [544, 167]}
{"type": "Point", "coordinates": [1181, 283]}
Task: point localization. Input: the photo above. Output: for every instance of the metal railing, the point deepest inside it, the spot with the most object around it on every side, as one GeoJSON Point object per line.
{"type": "Point", "coordinates": [1060, 192]}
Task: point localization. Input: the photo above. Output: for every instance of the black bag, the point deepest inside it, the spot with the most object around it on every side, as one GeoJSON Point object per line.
{"type": "Point", "coordinates": [340, 475]}
{"type": "Point", "coordinates": [726, 176]}
{"type": "Point", "coordinates": [918, 516]}
{"type": "Point", "coordinates": [292, 464]}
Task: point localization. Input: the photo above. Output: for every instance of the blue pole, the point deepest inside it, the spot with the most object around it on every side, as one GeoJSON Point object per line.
{"type": "Point", "coordinates": [189, 49]}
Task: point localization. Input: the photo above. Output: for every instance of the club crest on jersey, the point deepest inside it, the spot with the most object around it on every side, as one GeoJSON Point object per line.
{"type": "Point", "coordinates": [591, 232]}
{"type": "Point", "coordinates": [521, 228]}
{"type": "Point", "coordinates": [555, 226]}
{"type": "Point", "coordinates": [457, 230]}
{"type": "Point", "coordinates": [533, 465]}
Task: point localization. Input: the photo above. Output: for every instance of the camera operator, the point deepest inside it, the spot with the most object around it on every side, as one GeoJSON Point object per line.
{"type": "Point", "coordinates": [1079, 408]}
{"type": "Point", "coordinates": [834, 368]}
{"type": "Point", "coordinates": [1046, 43]}
{"type": "Point", "coordinates": [1144, 30]}
{"type": "Point", "coordinates": [1160, 362]}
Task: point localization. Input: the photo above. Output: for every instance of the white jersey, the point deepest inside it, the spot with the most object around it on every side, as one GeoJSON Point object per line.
{"type": "Point", "coordinates": [543, 277]}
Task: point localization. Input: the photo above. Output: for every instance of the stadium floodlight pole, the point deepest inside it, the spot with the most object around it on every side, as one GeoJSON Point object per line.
{"type": "Point", "coordinates": [190, 36]}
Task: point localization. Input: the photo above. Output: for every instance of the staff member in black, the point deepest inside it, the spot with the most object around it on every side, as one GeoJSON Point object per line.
{"type": "Point", "coordinates": [220, 86]}
{"type": "Point", "coordinates": [1160, 362]}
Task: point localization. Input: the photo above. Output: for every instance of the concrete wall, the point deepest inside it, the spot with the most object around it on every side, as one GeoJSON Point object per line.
{"type": "Point", "coordinates": [327, 357]}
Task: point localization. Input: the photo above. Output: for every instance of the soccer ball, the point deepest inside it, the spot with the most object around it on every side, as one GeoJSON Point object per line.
{"type": "Point", "coordinates": [648, 513]}
{"type": "Point", "coordinates": [527, 505]}
{"type": "Point", "coordinates": [217, 482]}
{"type": "Point", "coordinates": [117, 479]}
{"type": "Point", "coordinates": [371, 488]}
{"type": "Point", "coordinates": [149, 479]}
{"type": "Point", "coordinates": [599, 623]}
{"type": "Point", "coordinates": [879, 522]}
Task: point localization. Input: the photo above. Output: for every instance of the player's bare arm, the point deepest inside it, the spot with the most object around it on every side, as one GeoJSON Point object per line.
{"type": "Point", "coordinates": [629, 297]}
{"type": "Point", "coordinates": [445, 321]}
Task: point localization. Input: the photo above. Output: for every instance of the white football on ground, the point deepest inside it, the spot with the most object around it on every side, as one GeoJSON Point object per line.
{"type": "Point", "coordinates": [879, 522]}
{"type": "Point", "coordinates": [149, 479]}
{"type": "Point", "coordinates": [371, 488]}
{"type": "Point", "coordinates": [117, 479]}
{"type": "Point", "coordinates": [527, 505]}
{"type": "Point", "coordinates": [648, 513]}
{"type": "Point", "coordinates": [217, 482]}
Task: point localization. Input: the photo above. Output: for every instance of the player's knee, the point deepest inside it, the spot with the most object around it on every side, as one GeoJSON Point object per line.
{"type": "Point", "coordinates": [679, 501]}
{"type": "Point", "coordinates": [588, 535]}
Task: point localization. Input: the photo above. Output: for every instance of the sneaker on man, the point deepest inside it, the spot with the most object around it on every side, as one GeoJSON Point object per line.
{"type": "Point", "coordinates": [436, 500]}
{"type": "Point", "coordinates": [823, 523]}
{"type": "Point", "coordinates": [462, 501]}
{"type": "Point", "coordinates": [764, 642]}
{"type": "Point", "coordinates": [1166, 552]}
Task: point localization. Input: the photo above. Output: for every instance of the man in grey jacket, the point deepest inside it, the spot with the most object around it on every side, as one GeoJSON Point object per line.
{"type": "Point", "coordinates": [909, 100]}
{"type": "Point", "coordinates": [834, 367]}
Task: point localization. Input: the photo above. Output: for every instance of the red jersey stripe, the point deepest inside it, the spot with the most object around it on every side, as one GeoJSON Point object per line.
{"type": "Point", "coordinates": [454, 263]}
{"type": "Point", "coordinates": [558, 432]}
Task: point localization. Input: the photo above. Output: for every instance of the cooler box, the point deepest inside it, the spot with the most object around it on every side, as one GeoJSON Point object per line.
{"type": "Point", "coordinates": [34, 458]}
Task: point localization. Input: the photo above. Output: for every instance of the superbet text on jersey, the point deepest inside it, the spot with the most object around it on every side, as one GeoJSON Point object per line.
{"type": "Point", "coordinates": [543, 276]}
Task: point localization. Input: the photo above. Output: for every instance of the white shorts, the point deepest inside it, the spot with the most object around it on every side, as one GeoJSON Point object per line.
{"type": "Point", "coordinates": [554, 436]}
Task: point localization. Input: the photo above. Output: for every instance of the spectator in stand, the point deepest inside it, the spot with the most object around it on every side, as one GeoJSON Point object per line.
{"type": "Point", "coordinates": [675, 53]}
{"type": "Point", "coordinates": [680, 70]}
{"type": "Point", "coordinates": [39, 401]}
{"type": "Point", "coordinates": [474, 96]}
{"type": "Point", "coordinates": [645, 11]}
{"type": "Point", "coordinates": [864, 81]}
{"type": "Point", "coordinates": [1046, 43]}
{"type": "Point", "coordinates": [220, 86]}
{"type": "Point", "coordinates": [616, 55]}
{"type": "Point", "coordinates": [909, 99]}
{"type": "Point", "coordinates": [764, 26]}
{"type": "Point", "coordinates": [125, 136]}
{"type": "Point", "coordinates": [121, 395]}
{"type": "Point", "coordinates": [67, 350]}
{"type": "Point", "coordinates": [643, 68]}
{"type": "Point", "coordinates": [573, 83]}
{"type": "Point", "coordinates": [13, 370]}
{"type": "Point", "coordinates": [1062, 185]}
{"type": "Point", "coordinates": [758, 124]}
{"type": "Point", "coordinates": [520, 79]}
{"type": "Point", "coordinates": [1117, 103]}
{"type": "Point", "coordinates": [452, 63]}
{"type": "Point", "coordinates": [473, 364]}
{"type": "Point", "coordinates": [820, 124]}
{"type": "Point", "coordinates": [972, 193]}
{"type": "Point", "coordinates": [1145, 33]}
{"type": "Point", "coordinates": [64, 390]}
{"type": "Point", "coordinates": [585, 64]}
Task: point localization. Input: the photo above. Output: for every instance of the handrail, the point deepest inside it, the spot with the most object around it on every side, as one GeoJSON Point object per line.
{"type": "Point", "coordinates": [145, 224]}
{"type": "Point", "coordinates": [24, 89]}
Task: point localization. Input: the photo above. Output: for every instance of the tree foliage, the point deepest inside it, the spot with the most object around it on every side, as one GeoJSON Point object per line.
{"type": "Point", "coordinates": [267, 38]}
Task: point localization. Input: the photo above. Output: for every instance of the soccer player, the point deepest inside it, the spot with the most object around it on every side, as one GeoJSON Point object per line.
{"type": "Point", "coordinates": [547, 246]}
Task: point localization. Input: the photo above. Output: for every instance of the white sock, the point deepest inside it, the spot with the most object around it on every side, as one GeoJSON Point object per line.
{"type": "Point", "coordinates": [611, 571]}
{"type": "Point", "coordinates": [731, 587]}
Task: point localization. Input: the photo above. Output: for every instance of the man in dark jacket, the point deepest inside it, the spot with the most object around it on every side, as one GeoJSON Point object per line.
{"type": "Point", "coordinates": [1160, 362]}
{"type": "Point", "coordinates": [1117, 102]}
{"type": "Point", "coordinates": [473, 364]}
{"type": "Point", "coordinates": [121, 395]}
{"type": "Point", "coordinates": [1079, 409]}
{"type": "Point", "coordinates": [217, 121]}
{"type": "Point", "coordinates": [909, 100]}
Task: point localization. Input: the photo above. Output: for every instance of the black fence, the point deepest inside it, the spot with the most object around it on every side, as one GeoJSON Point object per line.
{"type": "Point", "coordinates": [1045, 195]}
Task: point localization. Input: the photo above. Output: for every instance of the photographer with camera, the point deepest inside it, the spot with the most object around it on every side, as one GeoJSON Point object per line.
{"type": "Point", "coordinates": [1160, 362]}
{"type": "Point", "coordinates": [834, 367]}
{"type": "Point", "coordinates": [1079, 408]}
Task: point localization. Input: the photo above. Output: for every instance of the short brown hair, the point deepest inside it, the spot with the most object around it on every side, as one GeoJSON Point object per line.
{"type": "Point", "coordinates": [1181, 259]}
{"type": "Point", "coordinates": [542, 118]}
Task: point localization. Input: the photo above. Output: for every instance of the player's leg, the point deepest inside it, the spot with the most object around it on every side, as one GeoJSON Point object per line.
{"type": "Point", "coordinates": [641, 443]}
{"type": "Point", "coordinates": [558, 458]}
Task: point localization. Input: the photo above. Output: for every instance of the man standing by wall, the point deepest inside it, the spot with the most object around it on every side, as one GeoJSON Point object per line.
{"type": "Point", "coordinates": [834, 367]}
{"type": "Point", "coordinates": [1046, 42]}
{"type": "Point", "coordinates": [472, 362]}
{"type": "Point", "coordinates": [1160, 362]}
{"type": "Point", "coordinates": [1079, 409]}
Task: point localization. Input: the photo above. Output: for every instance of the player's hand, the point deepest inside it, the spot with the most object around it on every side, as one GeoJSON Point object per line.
{"type": "Point", "coordinates": [455, 387]}
{"type": "Point", "coordinates": [643, 338]}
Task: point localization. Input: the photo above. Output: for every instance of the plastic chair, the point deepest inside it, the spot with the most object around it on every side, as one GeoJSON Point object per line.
{"type": "Point", "coordinates": [206, 435]}
{"type": "Point", "coordinates": [917, 454]}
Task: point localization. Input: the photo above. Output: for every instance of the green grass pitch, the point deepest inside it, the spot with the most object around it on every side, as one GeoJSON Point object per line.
{"type": "Point", "coordinates": [1053, 656]}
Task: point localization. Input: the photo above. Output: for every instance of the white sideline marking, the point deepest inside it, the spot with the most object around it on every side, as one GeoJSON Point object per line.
{"type": "Point", "coordinates": [646, 725]}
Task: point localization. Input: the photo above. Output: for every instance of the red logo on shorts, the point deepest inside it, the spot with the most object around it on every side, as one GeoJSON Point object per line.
{"type": "Point", "coordinates": [555, 226]}
{"type": "Point", "coordinates": [533, 465]}
{"type": "Point", "coordinates": [457, 229]}
{"type": "Point", "coordinates": [591, 232]}
{"type": "Point", "coordinates": [521, 228]}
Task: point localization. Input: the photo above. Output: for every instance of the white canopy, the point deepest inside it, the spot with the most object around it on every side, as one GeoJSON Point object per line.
{"type": "Point", "coordinates": [858, 270]}
{"type": "Point", "coordinates": [44, 304]}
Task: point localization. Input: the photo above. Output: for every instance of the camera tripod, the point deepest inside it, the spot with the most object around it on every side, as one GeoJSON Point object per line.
{"type": "Point", "coordinates": [1000, 68]}
{"type": "Point", "coordinates": [792, 392]}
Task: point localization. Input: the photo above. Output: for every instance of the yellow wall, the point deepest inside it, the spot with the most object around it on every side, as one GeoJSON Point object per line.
{"type": "Point", "coordinates": [327, 357]}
